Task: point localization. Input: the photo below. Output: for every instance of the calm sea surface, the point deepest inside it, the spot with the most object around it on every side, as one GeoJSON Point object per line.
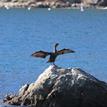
{"type": "Point", "coordinates": [23, 32]}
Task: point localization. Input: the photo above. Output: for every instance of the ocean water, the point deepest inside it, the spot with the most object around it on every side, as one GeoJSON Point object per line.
{"type": "Point", "coordinates": [23, 32]}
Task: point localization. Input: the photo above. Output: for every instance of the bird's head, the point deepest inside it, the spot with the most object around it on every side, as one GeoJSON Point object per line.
{"type": "Point", "coordinates": [56, 45]}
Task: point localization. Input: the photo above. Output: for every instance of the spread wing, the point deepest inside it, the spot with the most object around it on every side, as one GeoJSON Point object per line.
{"type": "Point", "coordinates": [41, 54]}
{"type": "Point", "coordinates": [64, 51]}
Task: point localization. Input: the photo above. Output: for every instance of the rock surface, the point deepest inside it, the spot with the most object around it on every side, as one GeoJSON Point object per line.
{"type": "Point", "coordinates": [58, 87]}
{"type": "Point", "coordinates": [51, 3]}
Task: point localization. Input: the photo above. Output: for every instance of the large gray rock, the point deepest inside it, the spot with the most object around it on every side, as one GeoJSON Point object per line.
{"type": "Point", "coordinates": [58, 87]}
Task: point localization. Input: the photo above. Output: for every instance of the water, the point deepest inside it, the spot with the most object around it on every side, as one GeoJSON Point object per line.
{"type": "Point", "coordinates": [23, 32]}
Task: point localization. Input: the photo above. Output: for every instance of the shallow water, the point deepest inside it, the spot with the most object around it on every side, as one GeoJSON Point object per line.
{"type": "Point", "coordinates": [23, 32]}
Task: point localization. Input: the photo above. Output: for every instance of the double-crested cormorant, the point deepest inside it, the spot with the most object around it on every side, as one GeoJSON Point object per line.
{"type": "Point", "coordinates": [53, 55]}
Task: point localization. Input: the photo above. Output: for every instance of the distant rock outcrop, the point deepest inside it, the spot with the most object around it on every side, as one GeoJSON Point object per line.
{"type": "Point", "coordinates": [51, 3]}
{"type": "Point", "coordinates": [58, 87]}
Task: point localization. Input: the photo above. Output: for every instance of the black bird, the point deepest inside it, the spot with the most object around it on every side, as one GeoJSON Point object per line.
{"type": "Point", "coordinates": [53, 55]}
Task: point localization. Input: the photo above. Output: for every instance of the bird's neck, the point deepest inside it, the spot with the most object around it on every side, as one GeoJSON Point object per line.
{"type": "Point", "coordinates": [55, 50]}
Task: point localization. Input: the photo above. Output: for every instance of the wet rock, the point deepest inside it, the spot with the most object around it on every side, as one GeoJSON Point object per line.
{"type": "Point", "coordinates": [59, 87]}
{"type": "Point", "coordinates": [102, 2]}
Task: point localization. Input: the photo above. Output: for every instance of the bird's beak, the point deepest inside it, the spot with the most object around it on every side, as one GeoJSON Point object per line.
{"type": "Point", "coordinates": [33, 54]}
{"type": "Point", "coordinates": [72, 51]}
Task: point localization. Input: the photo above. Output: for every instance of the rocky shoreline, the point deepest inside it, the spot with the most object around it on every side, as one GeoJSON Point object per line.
{"type": "Point", "coordinates": [44, 4]}
{"type": "Point", "coordinates": [48, 4]}
{"type": "Point", "coordinates": [59, 87]}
